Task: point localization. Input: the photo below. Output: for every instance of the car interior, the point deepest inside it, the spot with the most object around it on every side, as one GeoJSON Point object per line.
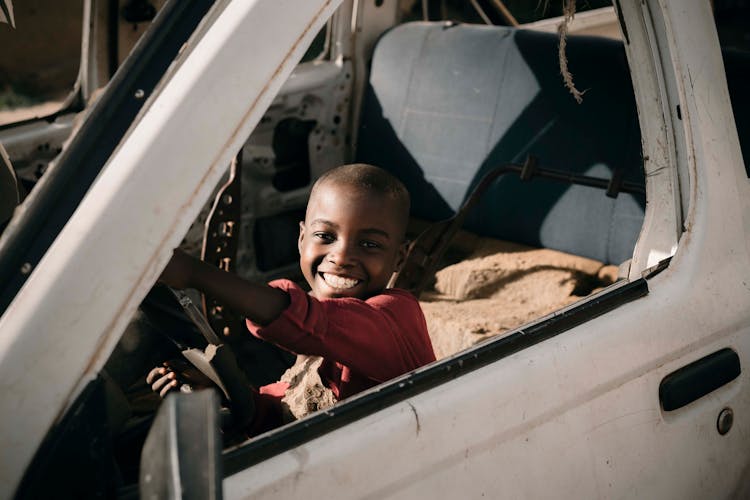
{"type": "Point", "coordinates": [446, 105]}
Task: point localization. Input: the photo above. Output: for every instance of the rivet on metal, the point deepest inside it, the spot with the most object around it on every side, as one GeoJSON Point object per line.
{"type": "Point", "coordinates": [725, 421]}
{"type": "Point", "coordinates": [139, 94]}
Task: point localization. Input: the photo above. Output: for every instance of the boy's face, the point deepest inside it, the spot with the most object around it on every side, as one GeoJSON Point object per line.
{"type": "Point", "coordinates": [351, 242]}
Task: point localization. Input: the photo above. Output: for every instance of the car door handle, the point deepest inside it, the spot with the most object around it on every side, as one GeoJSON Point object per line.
{"type": "Point", "coordinates": [697, 379]}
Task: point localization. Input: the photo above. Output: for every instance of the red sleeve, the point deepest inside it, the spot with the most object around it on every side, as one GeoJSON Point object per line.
{"type": "Point", "coordinates": [382, 337]}
{"type": "Point", "coordinates": [268, 412]}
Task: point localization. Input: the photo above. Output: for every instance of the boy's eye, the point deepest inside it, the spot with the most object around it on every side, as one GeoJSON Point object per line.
{"type": "Point", "coordinates": [370, 244]}
{"type": "Point", "coordinates": [324, 237]}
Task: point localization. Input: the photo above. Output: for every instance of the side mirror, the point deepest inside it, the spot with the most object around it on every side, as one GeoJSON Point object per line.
{"type": "Point", "coordinates": [181, 458]}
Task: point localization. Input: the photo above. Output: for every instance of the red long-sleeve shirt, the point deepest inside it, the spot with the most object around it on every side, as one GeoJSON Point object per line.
{"type": "Point", "coordinates": [362, 342]}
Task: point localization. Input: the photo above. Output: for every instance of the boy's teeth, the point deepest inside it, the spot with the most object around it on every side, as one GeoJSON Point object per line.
{"type": "Point", "coordinates": [339, 282]}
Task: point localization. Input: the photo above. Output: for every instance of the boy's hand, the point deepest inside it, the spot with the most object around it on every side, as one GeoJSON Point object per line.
{"type": "Point", "coordinates": [162, 380]}
{"type": "Point", "coordinates": [179, 271]}
{"type": "Point", "coordinates": [176, 374]}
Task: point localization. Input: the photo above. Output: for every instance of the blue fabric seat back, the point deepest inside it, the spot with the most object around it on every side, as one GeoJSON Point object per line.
{"type": "Point", "coordinates": [447, 103]}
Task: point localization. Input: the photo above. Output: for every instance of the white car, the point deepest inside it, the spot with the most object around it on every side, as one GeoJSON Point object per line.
{"type": "Point", "coordinates": [633, 391]}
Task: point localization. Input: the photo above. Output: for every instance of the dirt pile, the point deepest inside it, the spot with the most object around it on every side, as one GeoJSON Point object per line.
{"type": "Point", "coordinates": [500, 286]}
{"type": "Point", "coordinates": [494, 287]}
{"type": "Point", "coordinates": [306, 392]}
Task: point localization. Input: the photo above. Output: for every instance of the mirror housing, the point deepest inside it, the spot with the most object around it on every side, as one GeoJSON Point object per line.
{"type": "Point", "coordinates": [181, 458]}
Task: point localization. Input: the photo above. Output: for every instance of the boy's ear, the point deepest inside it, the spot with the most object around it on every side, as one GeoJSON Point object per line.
{"type": "Point", "coordinates": [301, 236]}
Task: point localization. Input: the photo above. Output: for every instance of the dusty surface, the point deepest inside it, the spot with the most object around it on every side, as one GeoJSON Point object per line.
{"type": "Point", "coordinates": [306, 392]}
{"type": "Point", "coordinates": [499, 286]}
{"type": "Point", "coordinates": [24, 113]}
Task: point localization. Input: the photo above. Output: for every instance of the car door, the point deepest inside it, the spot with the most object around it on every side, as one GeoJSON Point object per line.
{"type": "Point", "coordinates": [637, 392]}
{"type": "Point", "coordinates": [40, 89]}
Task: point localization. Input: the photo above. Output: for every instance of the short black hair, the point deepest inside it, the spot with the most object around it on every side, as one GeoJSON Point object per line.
{"type": "Point", "coordinates": [369, 178]}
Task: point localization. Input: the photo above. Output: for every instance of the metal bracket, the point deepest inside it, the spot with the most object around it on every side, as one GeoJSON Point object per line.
{"type": "Point", "coordinates": [426, 250]}
{"type": "Point", "coordinates": [220, 241]}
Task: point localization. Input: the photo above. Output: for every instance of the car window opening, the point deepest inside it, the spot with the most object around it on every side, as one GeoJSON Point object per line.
{"type": "Point", "coordinates": [559, 229]}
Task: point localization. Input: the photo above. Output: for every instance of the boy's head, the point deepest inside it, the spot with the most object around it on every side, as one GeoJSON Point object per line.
{"type": "Point", "coordinates": [353, 235]}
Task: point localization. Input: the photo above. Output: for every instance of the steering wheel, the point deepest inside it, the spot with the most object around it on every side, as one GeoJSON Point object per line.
{"type": "Point", "coordinates": [175, 316]}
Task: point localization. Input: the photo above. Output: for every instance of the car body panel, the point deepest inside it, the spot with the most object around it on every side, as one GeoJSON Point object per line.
{"type": "Point", "coordinates": [71, 339]}
{"type": "Point", "coordinates": [579, 415]}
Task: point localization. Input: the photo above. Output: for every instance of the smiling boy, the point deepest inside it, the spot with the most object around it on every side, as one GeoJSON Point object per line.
{"type": "Point", "coordinates": [352, 238]}
{"type": "Point", "coordinates": [350, 243]}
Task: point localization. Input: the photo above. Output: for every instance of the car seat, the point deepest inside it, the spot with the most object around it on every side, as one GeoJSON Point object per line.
{"type": "Point", "coordinates": [447, 103]}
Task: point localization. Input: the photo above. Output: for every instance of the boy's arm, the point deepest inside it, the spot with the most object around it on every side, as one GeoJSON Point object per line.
{"type": "Point", "coordinates": [380, 338]}
{"type": "Point", "coordinates": [258, 302]}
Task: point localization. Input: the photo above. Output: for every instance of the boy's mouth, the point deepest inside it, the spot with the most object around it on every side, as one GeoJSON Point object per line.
{"type": "Point", "coordinates": [339, 282]}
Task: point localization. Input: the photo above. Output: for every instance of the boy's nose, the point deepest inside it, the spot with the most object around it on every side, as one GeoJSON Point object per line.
{"type": "Point", "coordinates": [341, 254]}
